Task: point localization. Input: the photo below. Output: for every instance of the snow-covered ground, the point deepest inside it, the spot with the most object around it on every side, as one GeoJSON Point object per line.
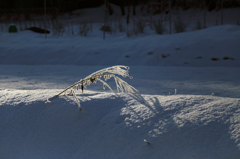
{"type": "Point", "coordinates": [207, 47]}
{"type": "Point", "coordinates": [201, 121]}
{"type": "Point", "coordinates": [115, 126]}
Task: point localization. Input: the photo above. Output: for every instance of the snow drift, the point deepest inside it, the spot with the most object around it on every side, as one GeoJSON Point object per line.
{"type": "Point", "coordinates": [214, 46]}
{"type": "Point", "coordinates": [115, 126]}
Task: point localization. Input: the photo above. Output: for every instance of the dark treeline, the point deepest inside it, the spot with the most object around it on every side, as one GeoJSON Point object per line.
{"type": "Point", "coordinates": [70, 5]}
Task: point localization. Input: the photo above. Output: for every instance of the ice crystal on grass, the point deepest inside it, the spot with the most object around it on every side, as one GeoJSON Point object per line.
{"type": "Point", "coordinates": [106, 73]}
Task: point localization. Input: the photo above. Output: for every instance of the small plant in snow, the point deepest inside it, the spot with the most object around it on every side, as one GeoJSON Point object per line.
{"type": "Point", "coordinates": [140, 25]}
{"type": "Point", "coordinates": [131, 30]}
{"type": "Point", "coordinates": [120, 25]}
{"type": "Point", "coordinates": [106, 28]}
{"type": "Point", "coordinates": [179, 26]}
{"type": "Point", "coordinates": [84, 29]}
{"type": "Point", "coordinates": [198, 25]}
{"type": "Point", "coordinates": [137, 27]}
{"type": "Point", "coordinates": [147, 142]}
{"type": "Point", "coordinates": [158, 27]}
{"type": "Point", "coordinates": [58, 28]}
{"type": "Point", "coordinates": [106, 73]}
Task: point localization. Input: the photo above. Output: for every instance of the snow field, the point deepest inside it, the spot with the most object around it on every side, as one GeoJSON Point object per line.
{"type": "Point", "coordinates": [115, 125]}
{"type": "Point", "coordinates": [211, 47]}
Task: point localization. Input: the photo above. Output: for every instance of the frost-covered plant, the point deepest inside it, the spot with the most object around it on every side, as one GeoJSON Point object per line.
{"type": "Point", "coordinates": [120, 25]}
{"type": "Point", "coordinates": [58, 28]}
{"type": "Point", "coordinates": [131, 30]}
{"type": "Point", "coordinates": [84, 29]}
{"type": "Point", "coordinates": [106, 28]}
{"type": "Point", "coordinates": [140, 25]}
{"type": "Point", "coordinates": [179, 26]}
{"type": "Point", "coordinates": [198, 25]}
{"type": "Point", "coordinates": [158, 27]}
{"type": "Point", "coordinates": [106, 73]}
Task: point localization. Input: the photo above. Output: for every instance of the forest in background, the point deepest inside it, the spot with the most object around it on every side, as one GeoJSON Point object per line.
{"type": "Point", "coordinates": [27, 13]}
{"type": "Point", "coordinates": [158, 5]}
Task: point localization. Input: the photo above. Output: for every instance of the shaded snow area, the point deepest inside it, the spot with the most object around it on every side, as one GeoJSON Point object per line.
{"type": "Point", "coordinates": [214, 46]}
{"type": "Point", "coordinates": [115, 126]}
{"type": "Point", "coordinates": [200, 121]}
{"type": "Point", "coordinates": [188, 105]}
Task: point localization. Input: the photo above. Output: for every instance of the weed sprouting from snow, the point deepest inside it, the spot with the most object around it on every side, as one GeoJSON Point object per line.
{"type": "Point", "coordinates": [198, 25]}
{"type": "Point", "coordinates": [84, 29]}
{"type": "Point", "coordinates": [106, 28]}
{"type": "Point", "coordinates": [106, 73]}
{"type": "Point", "coordinates": [58, 28]}
{"type": "Point", "coordinates": [179, 26]}
{"type": "Point", "coordinates": [158, 27]}
{"type": "Point", "coordinates": [120, 25]}
{"type": "Point", "coordinates": [147, 142]}
{"type": "Point", "coordinates": [140, 26]}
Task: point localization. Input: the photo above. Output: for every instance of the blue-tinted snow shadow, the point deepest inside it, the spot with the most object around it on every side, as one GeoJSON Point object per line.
{"type": "Point", "coordinates": [191, 140]}
{"type": "Point", "coordinates": [59, 130]}
{"type": "Point", "coordinates": [39, 129]}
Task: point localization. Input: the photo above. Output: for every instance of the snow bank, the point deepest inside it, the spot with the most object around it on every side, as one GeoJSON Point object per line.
{"type": "Point", "coordinates": [115, 125]}
{"type": "Point", "coordinates": [214, 46]}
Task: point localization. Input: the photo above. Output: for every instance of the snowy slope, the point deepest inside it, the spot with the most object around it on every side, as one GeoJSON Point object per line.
{"type": "Point", "coordinates": [195, 48]}
{"type": "Point", "coordinates": [115, 125]}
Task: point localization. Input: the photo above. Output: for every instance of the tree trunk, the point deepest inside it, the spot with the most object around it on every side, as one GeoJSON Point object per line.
{"type": "Point", "coordinates": [170, 25]}
{"type": "Point", "coordinates": [222, 14]}
{"type": "Point", "coordinates": [204, 15]}
{"type": "Point", "coordinates": [161, 9]}
{"type": "Point", "coordinates": [128, 11]}
{"type": "Point", "coordinates": [104, 27]}
{"type": "Point", "coordinates": [128, 14]}
{"type": "Point", "coordinates": [134, 7]}
{"type": "Point", "coordinates": [122, 8]}
{"type": "Point", "coordinates": [45, 17]}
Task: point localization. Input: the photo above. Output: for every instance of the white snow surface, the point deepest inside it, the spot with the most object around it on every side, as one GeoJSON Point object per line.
{"type": "Point", "coordinates": [201, 121]}
{"type": "Point", "coordinates": [195, 48]}
{"type": "Point", "coordinates": [115, 125]}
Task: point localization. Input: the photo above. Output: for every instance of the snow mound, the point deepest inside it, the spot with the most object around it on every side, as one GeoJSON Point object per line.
{"type": "Point", "coordinates": [115, 126]}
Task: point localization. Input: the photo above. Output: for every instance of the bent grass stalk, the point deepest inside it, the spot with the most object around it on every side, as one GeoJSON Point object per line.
{"type": "Point", "coordinates": [107, 73]}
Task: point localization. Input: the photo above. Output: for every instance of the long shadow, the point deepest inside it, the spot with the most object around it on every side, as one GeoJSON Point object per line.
{"type": "Point", "coordinates": [165, 117]}
{"type": "Point", "coordinates": [41, 124]}
{"type": "Point", "coordinates": [140, 99]}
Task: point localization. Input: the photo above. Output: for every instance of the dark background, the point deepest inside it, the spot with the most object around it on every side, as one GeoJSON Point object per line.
{"type": "Point", "coordinates": [68, 6]}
